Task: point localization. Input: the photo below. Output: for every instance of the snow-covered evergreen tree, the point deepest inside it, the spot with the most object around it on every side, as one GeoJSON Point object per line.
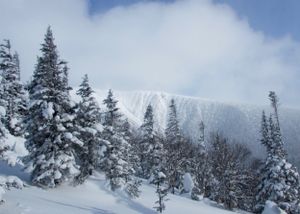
{"type": "Point", "coordinates": [174, 150]}
{"type": "Point", "coordinates": [132, 151]}
{"type": "Point", "coordinates": [133, 187]}
{"type": "Point", "coordinates": [50, 127]}
{"type": "Point", "coordinates": [172, 131]}
{"type": "Point", "coordinates": [201, 164]}
{"type": "Point", "coordinates": [265, 135]}
{"type": "Point", "coordinates": [151, 151]}
{"type": "Point", "coordinates": [218, 153]}
{"type": "Point", "coordinates": [231, 174]}
{"type": "Point", "coordinates": [228, 190]}
{"type": "Point", "coordinates": [3, 144]}
{"type": "Point", "coordinates": [131, 157]}
{"type": "Point", "coordinates": [161, 191]}
{"type": "Point", "coordinates": [280, 180]}
{"type": "Point", "coordinates": [12, 90]}
{"type": "Point", "coordinates": [115, 164]}
{"type": "Point", "coordinates": [87, 123]}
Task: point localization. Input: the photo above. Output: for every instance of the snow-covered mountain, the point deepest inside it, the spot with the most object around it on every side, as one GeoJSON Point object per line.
{"type": "Point", "coordinates": [239, 122]}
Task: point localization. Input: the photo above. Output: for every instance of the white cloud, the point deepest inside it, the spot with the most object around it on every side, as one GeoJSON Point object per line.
{"type": "Point", "coordinates": [190, 47]}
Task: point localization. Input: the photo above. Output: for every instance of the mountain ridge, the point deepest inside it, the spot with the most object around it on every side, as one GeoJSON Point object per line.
{"type": "Point", "coordinates": [238, 122]}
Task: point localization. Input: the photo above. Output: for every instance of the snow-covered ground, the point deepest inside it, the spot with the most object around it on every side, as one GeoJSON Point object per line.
{"type": "Point", "coordinates": [93, 197]}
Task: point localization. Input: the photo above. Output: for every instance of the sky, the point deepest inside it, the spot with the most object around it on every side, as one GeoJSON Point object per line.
{"type": "Point", "coordinates": [226, 50]}
{"type": "Point", "coordinates": [276, 18]}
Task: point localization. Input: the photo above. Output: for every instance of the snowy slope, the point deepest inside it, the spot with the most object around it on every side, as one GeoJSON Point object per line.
{"type": "Point", "coordinates": [236, 121]}
{"type": "Point", "coordinates": [93, 197]}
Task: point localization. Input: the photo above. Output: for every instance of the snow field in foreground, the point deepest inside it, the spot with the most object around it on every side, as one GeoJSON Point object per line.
{"type": "Point", "coordinates": [95, 197]}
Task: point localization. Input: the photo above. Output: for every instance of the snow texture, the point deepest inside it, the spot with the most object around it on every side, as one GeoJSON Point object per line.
{"type": "Point", "coordinates": [188, 183]}
{"type": "Point", "coordinates": [95, 197]}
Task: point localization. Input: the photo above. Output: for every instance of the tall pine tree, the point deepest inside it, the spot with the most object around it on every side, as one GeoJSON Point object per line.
{"type": "Point", "coordinates": [173, 145]}
{"type": "Point", "coordinates": [50, 128]}
{"type": "Point", "coordinates": [280, 180]}
{"type": "Point", "coordinates": [201, 164]}
{"type": "Point", "coordinates": [151, 151]}
{"type": "Point", "coordinates": [115, 164]}
{"type": "Point", "coordinates": [87, 123]}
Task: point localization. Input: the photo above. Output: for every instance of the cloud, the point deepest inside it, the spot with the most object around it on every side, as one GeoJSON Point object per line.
{"type": "Point", "coordinates": [189, 47]}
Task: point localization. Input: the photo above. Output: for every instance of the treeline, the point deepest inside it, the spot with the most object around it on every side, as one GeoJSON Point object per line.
{"type": "Point", "coordinates": [68, 142]}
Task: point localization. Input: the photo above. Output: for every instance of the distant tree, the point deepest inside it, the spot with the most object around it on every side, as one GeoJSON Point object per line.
{"type": "Point", "coordinates": [151, 151]}
{"type": "Point", "coordinates": [231, 174]}
{"type": "Point", "coordinates": [280, 180]}
{"type": "Point", "coordinates": [51, 139]}
{"type": "Point", "coordinates": [133, 184]}
{"type": "Point", "coordinates": [87, 124]}
{"type": "Point", "coordinates": [174, 150]}
{"type": "Point", "coordinates": [172, 131]}
{"type": "Point", "coordinates": [132, 151]}
{"type": "Point", "coordinates": [201, 164]}
{"type": "Point", "coordinates": [275, 105]}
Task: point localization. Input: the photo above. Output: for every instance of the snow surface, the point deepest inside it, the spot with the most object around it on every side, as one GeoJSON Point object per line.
{"type": "Point", "coordinates": [272, 208]}
{"type": "Point", "coordinates": [188, 183]}
{"type": "Point", "coordinates": [17, 149]}
{"type": "Point", "coordinates": [94, 197]}
{"type": "Point", "coordinates": [240, 122]}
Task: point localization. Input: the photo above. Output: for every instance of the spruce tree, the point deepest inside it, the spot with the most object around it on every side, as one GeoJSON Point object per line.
{"type": "Point", "coordinates": [133, 184]}
{"type": "Point", "coordinates": [173, 145]}
{"type": "Point", "coordinates": [12, 91]}
{"type": "Point", "coordinates": [151, 151]}
{"type": "Point", "coordinates": [87, 123]}
{"type": "Point", "coordinates": [115, 163]}
{"type": "Point", "coordinates": [219, 155]}
{"type": "Point", "coordinates": [201, 164]}
{"type": "Point", "coordinates": [132, 151]}
{"type": "Point", "coordinates": [172, 131]}
{"type": "Point", "coordinates": [238, 179]}
{"type": "Point", "coordinates": [229, 187]}
{"type": "Point", "coordinates": [231, 174]}
{"type": "Point", "coordinates": [280, 180]}
{"type": "Point", "coordinates": [3, 144]}
{"type": "Point", "coordinates": [50, 140]}
{"type": "Point", "coordinates": [265, 135]}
